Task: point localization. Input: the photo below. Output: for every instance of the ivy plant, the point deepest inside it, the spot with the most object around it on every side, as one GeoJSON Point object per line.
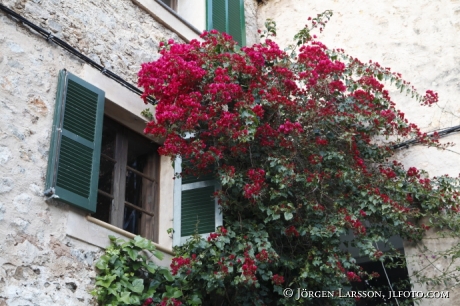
{"type": "Point", "coordinates": [127, 274]}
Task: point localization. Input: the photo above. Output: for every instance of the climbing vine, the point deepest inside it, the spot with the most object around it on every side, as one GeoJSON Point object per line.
{"type": "Point", "coordinates": [302, 142]}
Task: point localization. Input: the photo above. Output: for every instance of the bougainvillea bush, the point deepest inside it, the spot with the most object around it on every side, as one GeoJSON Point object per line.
{"type": "Point", "coordinates": [302, 142]}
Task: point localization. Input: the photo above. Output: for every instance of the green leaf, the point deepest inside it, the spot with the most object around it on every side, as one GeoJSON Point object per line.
{"type": "Point", "coordinates": [134, 300]}
{"type": "Point", "coordinates": [288, 215]}
{"type": "Point", "coordinates": [158, 255]}
{"type": "Point", "coordinates": [172, 292]}
{"type": "Point", "coordinates": [137, 285]}
{"type": "Point", "coordinates": [102, 263]}
{"type": "Point", "coordinates": [167, 275]}
{"type": "Point", "coordinates": [151, 267]}
{"type": "Point", "coordinates": [113, 291]}
{"type": "Point", "coordinates": [124, 297]}
{"type": "Point", "coordinates": [195, 300]}
{"type": "Point", "coordinates": [106, 281]}
{"type": "Point", "coordinates": [132, 254]}
{"type": "Point", "coordinates": [141, 242]}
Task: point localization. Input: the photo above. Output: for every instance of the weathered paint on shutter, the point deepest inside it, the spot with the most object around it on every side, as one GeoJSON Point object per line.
{"type": "Point", "coordinates": [236, 22]}
{"type": "Point", "coordinates": [73, 165]}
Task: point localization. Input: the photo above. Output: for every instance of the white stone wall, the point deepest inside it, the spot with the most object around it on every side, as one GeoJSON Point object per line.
{"type": "Point", "coordinates": [194, 12]}
{"type": "Point", "coordinates": [419, 39]}
{"type": "Point", "coordinates": [250, 14]}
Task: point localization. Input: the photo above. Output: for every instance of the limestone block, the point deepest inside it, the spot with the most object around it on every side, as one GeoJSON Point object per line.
{"type": "Point", "coordinates": [5, 155]}
{"type": "Point", "coordinates": [22, 203]}
{"type": "Point", "coordinates": [6, 184]}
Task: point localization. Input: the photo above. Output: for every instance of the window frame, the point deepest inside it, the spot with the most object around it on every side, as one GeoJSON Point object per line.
{"type": "Point", "coordinates": [173, 5]}
{"type": "Point", "coordinates": [149, 208]}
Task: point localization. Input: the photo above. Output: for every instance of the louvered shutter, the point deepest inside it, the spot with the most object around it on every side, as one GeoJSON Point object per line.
{"type": "Point", "coordinates": [73, 165]}
{"type": "Point", "coordinates": [195, 209]}
{"type": "Point", "coordinates": [227, 16]}
{"type": "Point", "coordinates": [217, 15]}
{"type": "Point", "coordinates": [235, 17]}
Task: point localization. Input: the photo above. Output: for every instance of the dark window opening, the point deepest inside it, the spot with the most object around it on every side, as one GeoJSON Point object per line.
{"type": "Point", "coordinates": [398, 277]}
{"type": "Point", "coordinates": [128, 180]}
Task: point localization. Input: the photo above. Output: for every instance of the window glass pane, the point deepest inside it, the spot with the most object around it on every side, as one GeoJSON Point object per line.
{"type": "Point", "coordinates": [108, 138]}
{"type": "Point", "coordinates": [104, 201]}
{"type": "Point", "coordinates": [107, 162]}
{"type": "Point", "coordinates": [171, 3]}
{"type": "Point", "coordinates": [137, 150]}
{"type": "Point", "coordinates": [133, 194]}
{"type": "Point", "coordinates": [168, 2]}
{"type": "Point", "coordinates": [103, 208]}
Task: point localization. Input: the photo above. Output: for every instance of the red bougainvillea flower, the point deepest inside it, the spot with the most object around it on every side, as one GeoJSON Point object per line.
{"type": "Point", "coordinates": [277, 279]}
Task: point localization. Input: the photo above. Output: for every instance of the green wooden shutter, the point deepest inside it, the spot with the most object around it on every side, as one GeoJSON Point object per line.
{"type": "Point", "coordinates": [217, 15]}
{"type": "Point", "coordinates": [227, 16]}
{"type": "Point", "coordinates": [195, 208]}
{"type": "Point", "coordinates": [73, 165]}
{"type": "Point", "coordinates": [198, 209]}
{"type": "Point", "coordinates": [236, 22]}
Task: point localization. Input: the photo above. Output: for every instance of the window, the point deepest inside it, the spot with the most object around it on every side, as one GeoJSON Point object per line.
{"type": "Point", "coordinates": [227, 16]}
{"type": "Point", "coordinates": [99, 165]}
{"type": "Point", "coordinates": [128, 180]}
{"type": "Point", "coordinates": [171, 3]}
{"type": "Point", "coordinates": [107, 169]}
{"type": "Point", "coordinates": [195, 209]}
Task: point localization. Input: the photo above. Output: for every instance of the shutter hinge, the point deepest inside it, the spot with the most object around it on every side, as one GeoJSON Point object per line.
{"type": "Point", "coordinates": [50, 193]}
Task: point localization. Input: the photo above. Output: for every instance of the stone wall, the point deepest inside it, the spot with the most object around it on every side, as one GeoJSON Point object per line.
{"type": "Point", "coordinates": [39, 263]}
{"type": "Point", "coordinates": [419, 39]}
{"type": "Point", "coordinates": [114, 33]}
{"type": "Point", "coordinates": [250, 14]}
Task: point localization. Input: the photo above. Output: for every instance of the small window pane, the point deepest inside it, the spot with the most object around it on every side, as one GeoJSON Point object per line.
{"type": "Point", "coordinates": [133, 194]}
{"type": "Point", "coordinates": [171, 3]}
{"type": "Point", "coordinates": [107, 162]}
{"type": "Point", "coordinates": [103, 208]}
{"type": "Point", "coordinates": [104, 202]}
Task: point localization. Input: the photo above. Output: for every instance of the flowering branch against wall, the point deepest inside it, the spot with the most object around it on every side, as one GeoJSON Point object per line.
{"type": "Point", "coordinates": [302, 143]}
